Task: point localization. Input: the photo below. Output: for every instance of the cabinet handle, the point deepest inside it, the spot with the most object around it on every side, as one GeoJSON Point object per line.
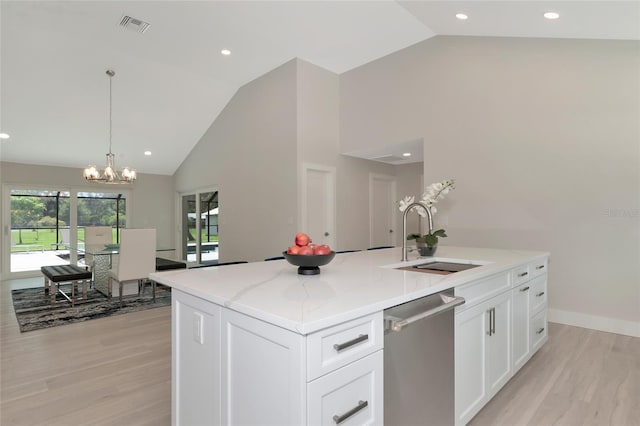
{"type": "Point", "coordinates": [339, 419]}
{"type": "Point", "coordinates": [525, 289]}
{"type": "Point", "coordinates": [524, 274]}
{"type": "Point", "coordinates": [540, 267]}
{"type": "Point", "coordinates": [489, 318]}
{"type": "Point", "coordinates": [540, 331]}
{"type": "Point", "coordinates": [342, 346]}
{"type": "Point", "coordinates": [540, 294]}
{"type": "Point", "coordinates": [493, 320]}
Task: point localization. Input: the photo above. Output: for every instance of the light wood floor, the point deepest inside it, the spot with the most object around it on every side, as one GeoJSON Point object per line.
{"type": "Point", "coordinates": [117, 371]}
{"type": "Point", "coordinates": [108, 371]}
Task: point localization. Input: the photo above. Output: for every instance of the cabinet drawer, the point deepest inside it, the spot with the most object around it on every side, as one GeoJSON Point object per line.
{"type": "Point", "coordinates": [539, 267]}
{"type": "Point", "coordinates": [538, 330]}
{"type": "Point", "coordinates": [351, 395]}
{"type": "Point", "coordinates": [483, 289]}
{"type": "Point", "coordinates": [337, 346]}
{"type": "Point", "coordinates": [520, 274]}
{"type": "Point", "coordinates": [538, 299]}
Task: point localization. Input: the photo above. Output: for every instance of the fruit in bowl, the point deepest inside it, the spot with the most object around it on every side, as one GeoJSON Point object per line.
{"type": "Point", "coordinates": [308, 257]}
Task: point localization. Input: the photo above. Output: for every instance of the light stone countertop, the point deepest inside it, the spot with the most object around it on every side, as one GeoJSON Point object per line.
{"type": "Point", "coordinates": [351, 286]}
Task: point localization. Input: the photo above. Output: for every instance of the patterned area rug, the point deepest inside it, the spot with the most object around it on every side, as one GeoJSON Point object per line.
{"type": "Point", "coordinates": [34, 310]}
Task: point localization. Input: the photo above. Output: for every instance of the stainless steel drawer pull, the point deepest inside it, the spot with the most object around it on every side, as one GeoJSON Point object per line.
{"type": "Point", "coordinates": [525, 289]}
{"type": "Point", "coordinates": [540, 331]}
{"type": "Point", "coordinates": [524, 274]}
{"type": "Point", "coordinates": [339, 419]}
{"type": "Point", "coordinates": [342, 346]}
{"type": "Point", "coordinates": [492, 321]}
{"type": "Point", "coordinates": [540, 267]}
{"type": "Point", "coordinates": [540, 294]}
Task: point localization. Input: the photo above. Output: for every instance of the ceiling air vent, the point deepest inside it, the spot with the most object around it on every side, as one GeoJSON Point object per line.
{"type": "Point", "coordinates": [134, 24]}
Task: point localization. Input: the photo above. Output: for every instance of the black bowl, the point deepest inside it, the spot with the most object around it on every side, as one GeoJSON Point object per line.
{"type": "Point", "coordinates": [309, 264]}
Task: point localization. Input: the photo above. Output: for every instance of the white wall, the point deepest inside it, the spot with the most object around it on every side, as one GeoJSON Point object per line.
{"type": "Point", "coordinates": [253, 151]}
{"type": "Point", "coordinates": [149, 205]}
{"type": "Point", "coordinates": [542, 137]}
{"type": "Point", "coordinates": [318, 118]}
{"type": "Point", "coordinates": [249, 153]}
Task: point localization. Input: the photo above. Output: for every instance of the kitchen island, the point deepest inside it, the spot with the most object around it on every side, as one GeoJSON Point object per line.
{"type": "Point", "coordinates": [256, 343]}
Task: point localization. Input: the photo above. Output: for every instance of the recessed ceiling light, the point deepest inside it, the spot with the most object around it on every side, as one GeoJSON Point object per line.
{"type": "Point", "coordinates": [4, 136]}
{"type": "Point", "coordinates": [461, 16]}
{"type": "Point", "coordinates": [406, 154]}
{"type": "Point", "coordinates": [551, 15]}
{"type": "Point", "coordinates": [147, 153]}
{"type": "Point", "coordinates": [225, 52]}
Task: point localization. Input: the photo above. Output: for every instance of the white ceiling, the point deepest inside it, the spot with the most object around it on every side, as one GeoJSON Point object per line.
{"type": "Point", "coordinates": [171, 82]}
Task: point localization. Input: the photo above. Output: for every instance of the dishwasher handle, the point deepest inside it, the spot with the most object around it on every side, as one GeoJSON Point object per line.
{"type": "Point", "coordinates": [449, 303]}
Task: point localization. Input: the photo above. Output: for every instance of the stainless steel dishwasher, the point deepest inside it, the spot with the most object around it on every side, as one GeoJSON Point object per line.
{"type": "Point", "coordinates": [419, 361]}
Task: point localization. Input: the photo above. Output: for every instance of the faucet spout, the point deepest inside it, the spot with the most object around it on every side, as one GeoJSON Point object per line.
{"type": "Point", "coordinates": [404, 225]}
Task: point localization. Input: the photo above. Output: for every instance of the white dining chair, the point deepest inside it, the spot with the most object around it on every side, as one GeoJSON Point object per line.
{"type": "Point", "coordinates": [136, 259]}
{"type": "Point", "coordinates": [95, 236]}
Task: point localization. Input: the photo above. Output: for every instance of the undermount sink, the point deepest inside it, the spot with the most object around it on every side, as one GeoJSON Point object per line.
{"type": "Point", "coordinates": [437, 267]}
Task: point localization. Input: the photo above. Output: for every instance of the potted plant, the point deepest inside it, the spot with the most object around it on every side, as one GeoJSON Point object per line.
{"type": "Point", "coordinates": [428, 243]}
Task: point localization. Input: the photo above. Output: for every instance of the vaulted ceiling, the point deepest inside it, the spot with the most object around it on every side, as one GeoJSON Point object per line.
{"type": "Point", "coordinates": [172, 81]}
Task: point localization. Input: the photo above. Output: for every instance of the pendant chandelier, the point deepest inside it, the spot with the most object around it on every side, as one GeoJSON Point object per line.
{"type": "Point", "coordinates": [110, 175]}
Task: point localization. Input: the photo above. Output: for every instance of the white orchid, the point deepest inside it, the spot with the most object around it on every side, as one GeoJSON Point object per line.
{"type": "Point", "coordinates": [436, 191]}
{"type": "Point", "coordinates": [406, 202]}
{"type": "Point", "coordinates": [432, 194]}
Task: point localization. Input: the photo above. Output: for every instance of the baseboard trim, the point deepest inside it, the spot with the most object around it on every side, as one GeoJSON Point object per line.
{"type": "Point", "coordinates": [611, 325]}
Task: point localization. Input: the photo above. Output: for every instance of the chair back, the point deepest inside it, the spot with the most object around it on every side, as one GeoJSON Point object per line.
{"type": "Point", "coordinates": [137, 258]}
{"type": "Point", "coordinates": [94, 236]}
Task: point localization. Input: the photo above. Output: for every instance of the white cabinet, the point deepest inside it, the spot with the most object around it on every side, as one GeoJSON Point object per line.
{"type": "Point", "coordinates": [262, 373]}
{"type": "Point", "coordinates": [482, 354]}
{"type": "Point", "coordinates": [501, 325]}
{"type": "Point", "coordinates": [351, 395]}
{"type": "Point", "coordinates": [196, 360]}
{"type": "Point", "coordinates": [521, 296]}
{"type": "Point", "coordinates": [231, 369]}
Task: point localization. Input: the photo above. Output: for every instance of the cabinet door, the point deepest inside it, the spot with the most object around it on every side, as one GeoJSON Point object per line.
{"type": "Point", "coordinates": [521, 325]}
{"type": "Point", "coordinates": [263, 381]}
{"type": "Point", "coordinates": [471, 338]}
{"type": "Point", "coordinates": [195, 361]}
{"type": "Point", "coordinates": [499, 345]}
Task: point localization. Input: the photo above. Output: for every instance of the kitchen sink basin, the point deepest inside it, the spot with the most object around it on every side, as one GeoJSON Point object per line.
{"type": "Point", "coordinates": [442, 268]}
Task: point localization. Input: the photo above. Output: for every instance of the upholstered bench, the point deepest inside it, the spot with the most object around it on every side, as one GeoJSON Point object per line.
{"type": "Point", "coordinates": [56, 275]}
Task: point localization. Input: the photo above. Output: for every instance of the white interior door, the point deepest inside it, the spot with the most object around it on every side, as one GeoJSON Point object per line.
{"type": "Point", "coordinates": [382, 205]}
{"type": "Point", "coordinates": [318, 203]}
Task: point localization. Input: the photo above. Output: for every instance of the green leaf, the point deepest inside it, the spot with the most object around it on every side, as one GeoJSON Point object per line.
{"type": "Point", "coordinates": [413, 236]}
{"type": "Point", "coordinates": [440, 233]}
{"type": "Point", "coordinates": [431, 240]}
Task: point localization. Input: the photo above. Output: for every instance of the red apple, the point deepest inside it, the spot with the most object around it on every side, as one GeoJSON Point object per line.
{"type": "Point", "coordinates": [305, 250]}
{"type": "Point", "coordinates": [302, 239]}
{"type": "Point", "coordinates": [313, 246]}
{"type": "Point", "coordinates": [293, 250]}
{"type": "Point", "coordinates": [322, 249]}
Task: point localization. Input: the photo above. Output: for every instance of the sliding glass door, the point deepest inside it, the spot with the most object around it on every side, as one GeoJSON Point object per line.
{"type": "Point", "coordinates": [41, 224]}
{"type": "Point", "coordinates": [200, 227]}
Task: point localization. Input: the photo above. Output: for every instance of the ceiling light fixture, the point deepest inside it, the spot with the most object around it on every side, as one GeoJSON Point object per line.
{"type": "Point", "coordinates": [4, 136]}
{"type": "Point", "coordinates": [225, 52]}
{"type": "Point", "coordinates": [147, 153]}
{"type": "Point", "coordinates": [406, 154]}
{"type": "Point", "coordinates": [551, 15]}
{"type": "Point", "coordinates": [109, 175]}
{"type": "Point", "coordinates": [461, 16]}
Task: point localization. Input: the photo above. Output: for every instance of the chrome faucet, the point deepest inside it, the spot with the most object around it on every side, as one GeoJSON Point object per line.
{"type": "Point", "coordinates": [404, 225]}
